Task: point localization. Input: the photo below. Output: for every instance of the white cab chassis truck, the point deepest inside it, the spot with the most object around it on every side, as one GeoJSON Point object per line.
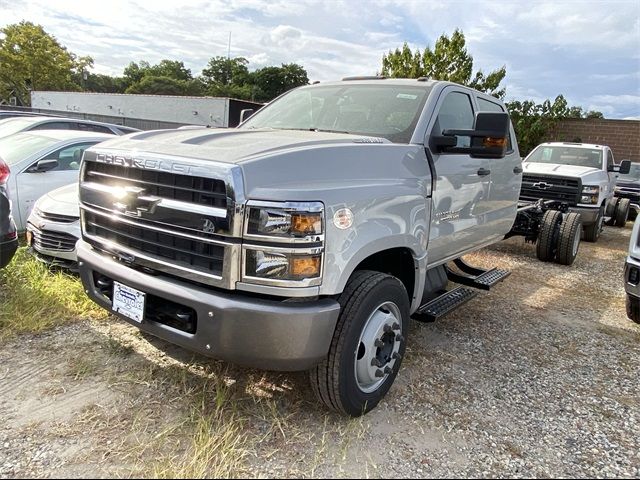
{"type": "Point", "coordinates": [308, 237]}
{"type": "Point", "coordinates": [583, 177]}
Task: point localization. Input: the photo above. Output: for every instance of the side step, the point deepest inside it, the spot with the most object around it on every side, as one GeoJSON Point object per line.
{"type": "Point", "coordinates": [476, 277]}
{"type": "Point", "coordinates": [445, 303]}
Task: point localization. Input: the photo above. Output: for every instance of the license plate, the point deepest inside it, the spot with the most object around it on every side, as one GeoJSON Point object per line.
{"type": "Point", "coordinates": [128, 302]}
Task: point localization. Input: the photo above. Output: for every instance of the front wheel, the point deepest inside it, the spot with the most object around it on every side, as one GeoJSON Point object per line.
{"type": "Point", "coordinates": [367, 346]}
{"type": "Point", "coordinates": [633, 308]}
{"type": "Point", "coordinates": [592, 232]}
{"type": "Point", "coordinates": [622, 212]}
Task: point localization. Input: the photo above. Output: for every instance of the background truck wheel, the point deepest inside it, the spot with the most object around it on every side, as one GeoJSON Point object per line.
{"type": "Point", "coordinates": [367, 346]}
{"type": "Point", "coordinates": [622, 212]}
{"type": "Point", "coordinates": [633, 308]}
{"type": "Point", "coordinates": [592, 232]}
{"type": "Point", "coordinates": [569, 239]}
{"type": "Point", "coordinates": [610, 209]}
{"type": "Point", "coordinates": [548, 235]}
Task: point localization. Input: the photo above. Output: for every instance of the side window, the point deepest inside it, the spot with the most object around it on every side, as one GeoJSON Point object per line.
{"type": "Point", "coordinates": [485, 105]}
{"type": "Point", "coordinates": [90, 127]}
{"type": "Point", "coordinates": [455, 113]}
{"type": "Point", "coordinates": [610, 161]}
{"type": "Point", "coordinates": [54, 126]}
{"type": "Point", "coordinates": [69, 157]}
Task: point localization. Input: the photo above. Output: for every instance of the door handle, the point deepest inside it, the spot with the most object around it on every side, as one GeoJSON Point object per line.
{"type": "Point", "coordinates": [484, 172]}
{"type": "Point", "coordinates": [517, 170]}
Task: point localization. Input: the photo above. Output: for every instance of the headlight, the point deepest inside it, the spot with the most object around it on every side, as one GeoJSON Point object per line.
{"type": "Point", "coordinates": [591, 199]}
{"type": "Point", "coordinates": [590, 190]}
{"type": "Point", "coordinates": [290, 220]}
{"type": "Point", "coordinates": [276, 265]}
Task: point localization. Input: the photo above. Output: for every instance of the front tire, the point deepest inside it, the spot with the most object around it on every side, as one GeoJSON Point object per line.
{"type": "Point", "coordinates": [633, 308]}
{"type": "Point", "coordinates": [368, 344]}
{"type": "Point", "coordinates": [592, 232]}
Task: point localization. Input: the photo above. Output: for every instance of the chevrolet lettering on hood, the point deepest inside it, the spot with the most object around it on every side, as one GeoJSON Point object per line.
{"type": "Point", "coordinates": [143, 163]}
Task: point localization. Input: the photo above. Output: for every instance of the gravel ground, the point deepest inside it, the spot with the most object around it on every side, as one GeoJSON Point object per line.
{"type": "Point", "coordinates": [537, 378]}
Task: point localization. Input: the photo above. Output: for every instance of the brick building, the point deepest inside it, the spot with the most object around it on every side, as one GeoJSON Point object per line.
{"type": "Point", "coordinates": [623, 136]}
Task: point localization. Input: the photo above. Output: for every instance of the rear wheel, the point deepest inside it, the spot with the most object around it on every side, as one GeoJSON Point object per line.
{"type": "Point", "coordinates": [548, 235]}
{"type": "Point", "coordinates": [592, 232]}
{"type": "Point", "coordinates": [569, 239]}
{"type": "Point", "coordinates": [622, 212]}
{"type": "Point", "coordinates": [367, 346]}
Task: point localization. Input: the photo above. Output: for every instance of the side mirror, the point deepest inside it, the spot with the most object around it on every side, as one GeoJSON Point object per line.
{"type": "Point", "coordinates": [245, 114]}
{"type": "Point", "coordinates": [43, 165]}
{"type": "Point", "coordinates": [625, 167]}
{"type": "Point", "coordinates": [488, 137]}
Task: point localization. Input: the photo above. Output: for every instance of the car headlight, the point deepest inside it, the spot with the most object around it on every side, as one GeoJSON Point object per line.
{"type": "Point", "coordinates": [590, 190]}
{"type": "Point", "coordinates": [291, 220]}
{"type": "Point", "coordinates": [282, 266]}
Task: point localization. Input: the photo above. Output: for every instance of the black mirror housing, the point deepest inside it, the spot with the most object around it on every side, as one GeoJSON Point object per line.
{"type": "Point", "coordinates": [43, 165]}
{"type": "Point", "coordinates": [625, 167]}
{"type": "Point", "coordinates": [488, 137]}
{"type": "Point", "coordinates": [245, 114]}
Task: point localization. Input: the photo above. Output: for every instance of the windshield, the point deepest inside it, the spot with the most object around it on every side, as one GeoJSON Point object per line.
{"type": "Point", "coordinates": [388, 111]}
{"type": "Point", "coordinates": [559, 154]}
{"type": "Point", "coordinates": [10, 126]}
{"type": "Point", "coordinates": [633, 175]}
{"type": "Point", "coordinates": [17, 147]}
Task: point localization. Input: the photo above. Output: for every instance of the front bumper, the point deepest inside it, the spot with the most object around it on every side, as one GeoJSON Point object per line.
{"type": "Point", "coordinates": [7, 251]}
{"type": "Point", "coordinates": [53, 242]}
{"type": "Point", "coordinates": [589, 215]}
{"type": "Point", "coordinates": [246, 330]}
{"type": "Point", "coordinates": [632, 277]}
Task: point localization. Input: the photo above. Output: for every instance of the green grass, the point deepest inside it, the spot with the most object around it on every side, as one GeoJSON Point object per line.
{"type": "Point", "coordinates": [34, 298]}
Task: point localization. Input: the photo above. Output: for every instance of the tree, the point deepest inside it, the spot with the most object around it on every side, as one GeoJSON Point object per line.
{"type": "Point", "coordinates": [31, 59]}
{"type": "Point", "coordinates": [162, 85]}
{"type": "Point", "coordinates": [534, 122]}
{"type": "Point", "coordinates": [271, 82]}
{"type": "Point", "coordinates": [226, 71]}
{"type": "Point", "coordinates": [449, 60]}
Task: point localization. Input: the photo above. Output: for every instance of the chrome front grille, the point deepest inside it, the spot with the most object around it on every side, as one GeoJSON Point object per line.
{"type": "Point", "coordinates": [181, 221]}
{"type": "Point", "coordinates": [52, 241]}
{"type": "Point", "coordinates": [551, 187]}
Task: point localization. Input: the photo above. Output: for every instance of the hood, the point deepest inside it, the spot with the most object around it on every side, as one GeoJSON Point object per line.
{"type": "Point", "coordinates": [231, 145]}
{"type": "Point", "coordinates": [559, 169]}
{"type": "Point", "coordinates": [61, 201]}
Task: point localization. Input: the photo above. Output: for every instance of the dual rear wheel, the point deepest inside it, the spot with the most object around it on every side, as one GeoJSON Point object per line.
{"type": "Point", "coordinates": [559, 237]}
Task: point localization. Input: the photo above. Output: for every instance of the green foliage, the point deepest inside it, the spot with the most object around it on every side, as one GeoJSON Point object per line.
{"type": "Point", "coordinates": [163, 85]}
{"type": "Point", "coordinates": [271, 82]}
{"type": "Point", "coordinates": [31, 59]}
{"type": "Point", "coordinates": [226, 71]}
{"type": "Point", "coordinates": [533, 122]}
{"type": "Point", "coordinates": [449, 60]}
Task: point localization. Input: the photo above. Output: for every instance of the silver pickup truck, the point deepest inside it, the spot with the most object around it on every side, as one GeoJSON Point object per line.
{"type": "Point", "coordinates": [308, 237]}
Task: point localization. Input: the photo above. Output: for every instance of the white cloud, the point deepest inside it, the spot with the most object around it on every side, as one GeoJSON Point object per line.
{"type": "Point", "coordinates": [588, 51]}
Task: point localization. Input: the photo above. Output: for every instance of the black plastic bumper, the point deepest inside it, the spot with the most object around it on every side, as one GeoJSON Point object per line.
{"type": "Point", "coordinates": [7, 251]}
{"type": "Point", "coordinates": [262, 333]}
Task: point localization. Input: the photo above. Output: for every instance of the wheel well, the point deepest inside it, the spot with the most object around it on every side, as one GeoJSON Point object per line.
{"type": "Point", "coordinates": [398, 262]}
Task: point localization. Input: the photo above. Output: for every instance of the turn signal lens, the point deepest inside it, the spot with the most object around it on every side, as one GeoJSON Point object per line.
{"type": "Point", "coordinates": [306, 223]}
{"type": "Point", "coordinates": [305, 267]}
{"type": "Point", "coordinates": [494, 142]}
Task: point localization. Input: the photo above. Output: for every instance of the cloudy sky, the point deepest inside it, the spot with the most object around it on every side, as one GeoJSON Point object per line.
{"type": "Point", "coordinates": [587, 50]}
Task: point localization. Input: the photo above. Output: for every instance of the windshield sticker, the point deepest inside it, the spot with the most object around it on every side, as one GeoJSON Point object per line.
{"type": "Point", "coordinates": [406, 96]}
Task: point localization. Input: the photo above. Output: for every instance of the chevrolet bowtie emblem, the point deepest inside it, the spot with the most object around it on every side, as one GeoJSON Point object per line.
{"type": "Point", "coordinates": [133, 202]}
{"type": "Point", "coordinates": [542, 185]}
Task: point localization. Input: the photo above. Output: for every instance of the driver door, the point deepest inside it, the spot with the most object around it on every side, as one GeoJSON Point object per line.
{"type": "Point", "coordinates": [460, 201]}
{"type": "Point", "coordinates": [31, 185]}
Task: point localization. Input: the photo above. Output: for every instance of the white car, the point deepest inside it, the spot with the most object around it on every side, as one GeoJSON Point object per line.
{"type": "Point", "coordinates": [42, 161]}
{"type": "Point", "coordinates": [14, 125]}
{"type": "Point", "coordinates": [53, 228]}
{"type": "Point", "coordinates": [579, 174]}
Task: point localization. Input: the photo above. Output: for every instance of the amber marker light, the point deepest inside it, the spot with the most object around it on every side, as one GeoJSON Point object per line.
{"type": "Point", "coordinates": [493, 142]}
{"type": "Point", "coordinates": [306, 223]}
{"type": "Point", "coordinates": [305, 267]}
